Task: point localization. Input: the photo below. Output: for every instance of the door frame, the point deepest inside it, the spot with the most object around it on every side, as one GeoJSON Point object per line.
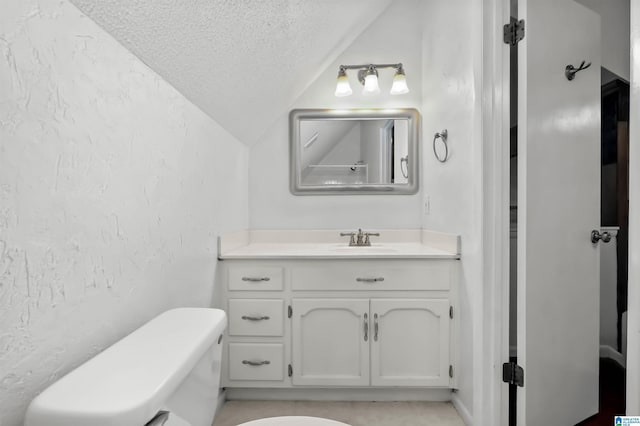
{"type": "Point", "coordinates": [495, 105]}
{"type": "Point", "coordinates": [633, 299]}
{"type": "Point", "coordinates": [493, 400]}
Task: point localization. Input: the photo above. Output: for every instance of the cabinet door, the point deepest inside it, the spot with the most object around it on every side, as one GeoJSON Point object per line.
{"type": "Point", "coordinates": [330, 342]}
{"type": "Point", "coordinates": [410, 342]}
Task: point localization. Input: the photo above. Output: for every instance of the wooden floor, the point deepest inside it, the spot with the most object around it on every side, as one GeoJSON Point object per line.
{"type": "Point", "coordinates": [353, 413]}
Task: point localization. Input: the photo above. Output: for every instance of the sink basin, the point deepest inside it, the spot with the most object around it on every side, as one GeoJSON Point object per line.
{"type": "Point", "coordinates": [365, 249]}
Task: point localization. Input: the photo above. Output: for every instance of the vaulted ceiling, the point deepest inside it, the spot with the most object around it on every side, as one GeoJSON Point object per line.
{"type": "Point", "coordinates": [243, 62]}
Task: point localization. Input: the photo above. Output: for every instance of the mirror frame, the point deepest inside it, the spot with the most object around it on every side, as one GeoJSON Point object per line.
{"type": "Point", "coordinates": [295, 160]}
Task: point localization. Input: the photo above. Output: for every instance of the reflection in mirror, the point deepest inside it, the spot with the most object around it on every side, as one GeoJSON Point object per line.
{"type": "Point", "coordinates": [354, 151]}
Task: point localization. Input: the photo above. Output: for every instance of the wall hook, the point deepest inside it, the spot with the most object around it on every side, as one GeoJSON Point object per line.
{"type": "Point", "coordinates": [570, 71]}
{"type": "Point", "coordinates": [442, 135]}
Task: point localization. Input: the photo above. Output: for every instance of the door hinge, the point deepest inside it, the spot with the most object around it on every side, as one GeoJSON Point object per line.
{"type": "Point", "coordinates": [513, 374]}
{"type": "Point", "coordinates": [290, 370]}
{"type": "Point", "coordinates": [451, 312]}
{"type": "Point", "coordinates": [289, 311]}
{"type": "Point", "coordinates": [513, 32]}
{"type": "Point", "coordinates": [451, 371]}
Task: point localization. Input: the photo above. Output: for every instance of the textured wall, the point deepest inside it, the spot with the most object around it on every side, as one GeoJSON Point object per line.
{"type": "Point", "coordinates": [394, 37]}
{"type": "Point", "coordinates": [236, 59]}
{"type": "Point", "coordinates": [113, 189]}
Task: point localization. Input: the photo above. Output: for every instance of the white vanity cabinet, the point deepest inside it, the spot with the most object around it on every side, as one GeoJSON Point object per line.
{"type": "Point", "coordinates": [330, 342]}
{"type": "Point", "coordinates": [340, 323]}
{"type": "Point", "coordinates": [410, 344]}
{"type": "Point", "coordinates": [256, 349]}
{"type": "Point", "coordinates": [377, 342]}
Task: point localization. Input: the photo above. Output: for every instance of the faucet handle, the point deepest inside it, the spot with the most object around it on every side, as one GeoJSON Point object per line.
{"type": "Point", "coordinates": [367, 240]}
{"type": "Point", "coordinates": [352, 240]}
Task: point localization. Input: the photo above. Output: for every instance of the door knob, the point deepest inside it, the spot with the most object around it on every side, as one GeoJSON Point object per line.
{"type": "Point", "coordinates": [597, 236]}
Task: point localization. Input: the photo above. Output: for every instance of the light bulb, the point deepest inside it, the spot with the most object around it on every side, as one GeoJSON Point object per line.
{"type": "Point", "coordinates": [343, 88]}
{"type": "Point", "coordinates": [399, 86]}
{"type": "Point", "coordinates": [371, 82]}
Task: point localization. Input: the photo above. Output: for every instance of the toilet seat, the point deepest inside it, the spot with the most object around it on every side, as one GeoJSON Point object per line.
{"type": "Point", "coordinates": [293, 421]}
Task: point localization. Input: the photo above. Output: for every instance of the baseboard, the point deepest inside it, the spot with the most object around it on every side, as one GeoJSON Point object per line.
{"type": "Point", "coordinates": [334, 394]}
{"type": "Point", "coordinates": [607, 351]}
{"type": "Point", "coordinates": [461, 409]}
{"type": "Point", "coordinates": [222, 397]}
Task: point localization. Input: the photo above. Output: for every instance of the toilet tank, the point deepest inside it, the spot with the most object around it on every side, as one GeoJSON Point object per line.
{"type": "Point", "coordinates": [171, 363]}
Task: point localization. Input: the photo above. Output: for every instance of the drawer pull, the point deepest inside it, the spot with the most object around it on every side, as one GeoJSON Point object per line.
{"type": "Point", "coordinates": [251, 318]}
{"type": "Point", "coordinates": [256, 363]}
{"type": "Point", "coordinates": [370, 280]}
{"type": "Point", "coordinates": [375, 327]}
{"type": "Point", "coordinates": [366, 327]}
{"type": "Point", "coordinates": [256, 279]}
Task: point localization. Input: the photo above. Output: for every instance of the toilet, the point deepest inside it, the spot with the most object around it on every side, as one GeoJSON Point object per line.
{"type": "Point", "coordinates": [167, 372]}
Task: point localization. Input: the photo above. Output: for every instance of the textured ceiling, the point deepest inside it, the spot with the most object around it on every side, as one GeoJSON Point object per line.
{"type": "Point", "coordinates": [241, 61]}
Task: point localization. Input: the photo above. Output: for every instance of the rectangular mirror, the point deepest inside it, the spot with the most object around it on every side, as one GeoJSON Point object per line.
{"type": "Point", "coordinates": [354, 151]}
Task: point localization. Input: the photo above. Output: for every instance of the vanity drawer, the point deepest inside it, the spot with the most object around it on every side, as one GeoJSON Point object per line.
{"type": "Point", "coordinates": [256, 317]}
{"type": "Point", "coordinates": [259, 278]}
{"type": "Point", "coordinates": [430, 275]}
{"type": "Point", "coordinates": [256, 361]}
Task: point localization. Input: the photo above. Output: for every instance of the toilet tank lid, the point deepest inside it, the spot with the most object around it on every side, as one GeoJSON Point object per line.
{"type": "Point", "coordinates": [128, 382]}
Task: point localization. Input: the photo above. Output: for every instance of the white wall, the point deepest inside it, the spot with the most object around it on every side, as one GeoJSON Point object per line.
{"type": "Point", "coordinates": [452, 60]}
{"type": "Point", "coordinates": [394, 37]}
{"type": "Point", "coordinates": [615, 34]}
{"type": "Point", "coordinates": [113, 189]}
{"type": "Point", "coordinates": [442, 62]}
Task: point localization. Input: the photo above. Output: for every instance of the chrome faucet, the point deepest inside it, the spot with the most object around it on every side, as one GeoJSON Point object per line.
{"type": "Point", "coordinates": [367, 241]}
{"type": "Point", "coordinates": [360, 239]}
{"type": "Point", "coordinates": [352, 240]}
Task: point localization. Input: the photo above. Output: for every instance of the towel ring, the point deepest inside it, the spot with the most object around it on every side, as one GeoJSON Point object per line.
{"type": "Point", "coordinates": [442, 135]}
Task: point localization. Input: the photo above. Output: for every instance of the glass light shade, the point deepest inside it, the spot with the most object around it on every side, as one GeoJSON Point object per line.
{"type": "Point", "coordinates": [343, 88]}
{"type": "Point", "coordinates": [399, 86]}
{"type": "Point", "coordinates": [371, 85]}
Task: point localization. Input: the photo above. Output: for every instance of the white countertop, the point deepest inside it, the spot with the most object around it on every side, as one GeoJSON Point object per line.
{"type": "Point", "coordinates": [328, 244]}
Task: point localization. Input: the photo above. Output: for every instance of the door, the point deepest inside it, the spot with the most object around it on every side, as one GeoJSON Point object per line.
{"type": "Point", "coordinates": [330, 342]}
{"type": "Point", "coordinates": [410, 342]}
{"type": "Point", "coordinates": [558, 206]}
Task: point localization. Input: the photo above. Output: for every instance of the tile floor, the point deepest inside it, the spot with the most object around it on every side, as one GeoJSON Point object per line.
{"type": "Point", "coordinates": [411, 413]}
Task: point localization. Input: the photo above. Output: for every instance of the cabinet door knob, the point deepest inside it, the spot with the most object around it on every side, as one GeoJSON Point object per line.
{"type": "Point", "coordinates": [256, 363]}
{"type": "Point", "coordinates": [255, 318]}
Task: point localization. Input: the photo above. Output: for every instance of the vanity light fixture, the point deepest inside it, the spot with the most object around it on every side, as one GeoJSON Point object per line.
{"type": "Point", "coordinates": [343, 88]}
{"type": "Point", "coordinates": [368, 77]}
{"type": "Point", "coordinates": [371, 86]}
{"type": "Point", "coordinates": [399, 86]}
